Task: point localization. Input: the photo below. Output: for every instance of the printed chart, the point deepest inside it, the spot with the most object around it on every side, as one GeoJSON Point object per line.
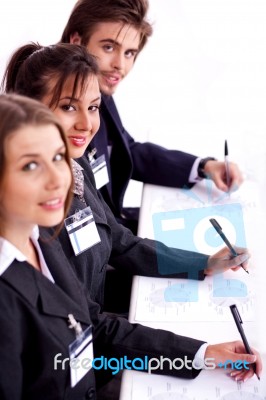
{"type": "Point", "coordinates": [145, 387]}
{"type": "Point", "coordinates": [164, 299]}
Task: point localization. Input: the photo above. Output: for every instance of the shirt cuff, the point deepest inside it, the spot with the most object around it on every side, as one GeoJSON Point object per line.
{"type": "Point", "coordinates": [198, 361]}
{"type": "Point", "coordinates": [193, 176]}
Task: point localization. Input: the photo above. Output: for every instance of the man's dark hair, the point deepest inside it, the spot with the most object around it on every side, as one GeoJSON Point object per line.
{"type": "Point", "coordinates": [87, 13]}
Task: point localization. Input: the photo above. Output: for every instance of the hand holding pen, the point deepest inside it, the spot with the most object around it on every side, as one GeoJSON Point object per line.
{"type": "Point", "coordinates": [218, 229]}
{"type": "Point", "coordinates": [224, 354]}
{"type": "Point", "coordinates": [215, 170]}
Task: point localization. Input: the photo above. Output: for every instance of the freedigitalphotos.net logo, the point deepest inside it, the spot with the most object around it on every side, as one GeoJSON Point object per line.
{"type": "Point", "coordinates": [143, 364]}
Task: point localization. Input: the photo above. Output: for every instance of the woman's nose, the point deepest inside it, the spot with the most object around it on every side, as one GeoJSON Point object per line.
{"type": "Point", "coordinates": [54, 177]}
{"type": "Point", "coordinates": [83, 122]}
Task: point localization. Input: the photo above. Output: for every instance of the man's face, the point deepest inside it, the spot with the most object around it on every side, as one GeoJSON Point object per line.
{"type": "Point", "coordinates": [115, 45]}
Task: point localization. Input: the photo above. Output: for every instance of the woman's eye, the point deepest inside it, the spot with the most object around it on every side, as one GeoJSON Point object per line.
{"type": "Point", "coordinates": [67, 107]}
{"type": "Point", "coordinates": [94, 108]}
{"type": "Point", "coordinates": [30, 166]}
{"type": "Point", "coordinates": [59, 157]}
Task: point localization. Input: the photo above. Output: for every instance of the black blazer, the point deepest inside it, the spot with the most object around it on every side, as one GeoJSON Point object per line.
{"type": "Point", "coordinates": [145, 162]}
{"type": "Point", "coordinates": [34, 328]}
{"type": "Point", "coordinates": [123, 250]}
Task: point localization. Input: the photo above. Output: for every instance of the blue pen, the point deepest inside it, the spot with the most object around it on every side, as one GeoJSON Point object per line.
{"type": "Point", "coordinates": [218, 229]}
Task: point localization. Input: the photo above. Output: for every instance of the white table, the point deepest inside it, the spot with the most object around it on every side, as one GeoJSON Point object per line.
{"type": "Point", "coordinates": [160, 201]}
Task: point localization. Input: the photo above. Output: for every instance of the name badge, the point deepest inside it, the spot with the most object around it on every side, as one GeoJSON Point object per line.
{"type": "Point", "coordinates": [82, 230]}
{"type": "Point", "coordinates": [80, 353]}
{"type": "Point", "coordinates": [100, 171]}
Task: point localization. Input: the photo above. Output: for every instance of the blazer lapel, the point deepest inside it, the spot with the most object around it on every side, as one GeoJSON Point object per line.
{"type": "Point", "coordinates": [60, 268]}
{"type": "Point", "coordinates": [56, 302]}
{"type": "Point", "coordinates": [41, 293]}
{"type": "Point", "coordinates": [110, 112]}
{"type": "Point", "coordinates": [20, 277]}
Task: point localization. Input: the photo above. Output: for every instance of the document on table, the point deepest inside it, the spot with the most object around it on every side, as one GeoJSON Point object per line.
{"type": "Point", "coordinates": [168, 300]}
{"type": "Point", "coordinates": [203, 194]}
{"type": "Point", "coordinates": [145, 386]}
{"type": "Point", "coordinates": [173, 216]}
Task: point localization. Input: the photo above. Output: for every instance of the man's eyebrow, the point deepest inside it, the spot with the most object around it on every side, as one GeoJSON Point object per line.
{"type": "Point", "coordinates": [110, 41]}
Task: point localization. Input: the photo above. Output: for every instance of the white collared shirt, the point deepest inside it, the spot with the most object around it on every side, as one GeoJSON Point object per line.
{"type": "Point", "coordinates": [9, 253]}
{"type": "Point", "coordinates": [193, 176]}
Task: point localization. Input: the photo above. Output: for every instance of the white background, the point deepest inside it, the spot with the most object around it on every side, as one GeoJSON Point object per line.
{"type": "Point", "coordinates": [200, 80]}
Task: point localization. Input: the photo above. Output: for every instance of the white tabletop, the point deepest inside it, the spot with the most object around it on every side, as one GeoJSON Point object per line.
{"type": "Point", "coordinates": [160, 219]}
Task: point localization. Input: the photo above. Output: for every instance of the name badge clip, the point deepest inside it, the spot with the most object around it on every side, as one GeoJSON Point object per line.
{"type": "Point", "coordinates": [91, 154]}
{"type": "Point", "coordinates": [78, 215]}
{"type": "Point", "coordinates": [73, 324]}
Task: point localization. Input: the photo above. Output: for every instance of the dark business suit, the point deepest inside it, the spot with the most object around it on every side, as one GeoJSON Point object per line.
{"type": "Point", "coordinates": [145, 162]}
{"type": "Point", "coordinates": [122, 250]}
{"type": "Point", "coordinates": [34, 328]}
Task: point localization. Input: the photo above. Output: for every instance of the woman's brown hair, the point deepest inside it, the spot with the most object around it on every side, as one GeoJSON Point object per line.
{"type": "Point", "coordinates": [18, 111]}
{"type": "Point", "coordinates": [32, 67]}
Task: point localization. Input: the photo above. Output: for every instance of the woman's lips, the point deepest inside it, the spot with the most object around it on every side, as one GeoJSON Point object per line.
{"type": "Point", "coordinates": [78, 141]}
{"type": "Point", "coordinates": [53, 204]}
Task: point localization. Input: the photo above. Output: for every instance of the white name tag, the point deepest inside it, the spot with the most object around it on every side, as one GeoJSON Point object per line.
{"type": "Point", "coordinates": [100, 171]}
{"type": "Point", "coordinates": [82, 230]}
{"type": "Point", "coordinates": [80, 356]}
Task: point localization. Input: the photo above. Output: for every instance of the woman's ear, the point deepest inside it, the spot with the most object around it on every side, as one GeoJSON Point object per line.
{"type": "Point", "coordinates": [75, 38]}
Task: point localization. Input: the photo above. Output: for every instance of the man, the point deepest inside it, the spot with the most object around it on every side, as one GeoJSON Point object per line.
{"type": "Point", "coordinates": [115, 31]}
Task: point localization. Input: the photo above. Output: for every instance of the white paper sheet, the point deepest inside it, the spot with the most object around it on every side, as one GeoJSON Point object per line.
{"type": "Point", "coordinates": [168, 300]}
{"type": "Point", "coordinates": [209, 385]}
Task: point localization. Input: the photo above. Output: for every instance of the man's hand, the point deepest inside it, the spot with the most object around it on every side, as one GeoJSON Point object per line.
{"type": "Point", "coordinates": [216, 171]}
